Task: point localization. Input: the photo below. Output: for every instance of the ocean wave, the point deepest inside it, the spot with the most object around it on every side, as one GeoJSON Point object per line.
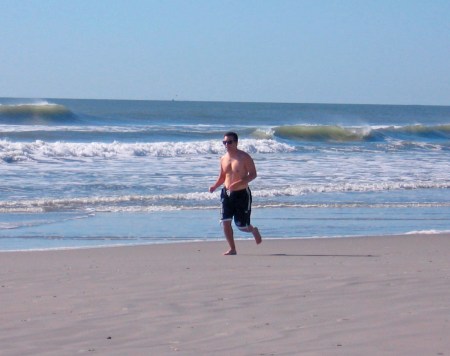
{"type": "Point", "coordinates": [65, 126]}
{"type": "Point", "coordinates": [36, 113]}
{"type": "Point", "coordinates": [319, 133]}
{"type": "Point", "coordinates": [40, 150]}
{"type": "Point", "coordinates": [108, 133]}
{"type": "Point", "coordinates": [427, 232]}
{"type": "Point", "coordinates": [133, 203]}
{"type": "Point", "coordinates": [263, 198]}
{"type": "Point", "coordinates": [357, 205]}
{"type": "Point", "coordinates": [423, 130]}
{"type": "Point", "coordinates": [299, 190]}
{"type": "Point", "coordinates": [327, 133]}
{"type": "Point", "coordinates": [142, 204]}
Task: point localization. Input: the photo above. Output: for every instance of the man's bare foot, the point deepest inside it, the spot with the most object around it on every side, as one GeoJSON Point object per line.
{"type": "Point", "coordinates": [257, 235]}
{"type": "Point", "coordinates": [230, 253]}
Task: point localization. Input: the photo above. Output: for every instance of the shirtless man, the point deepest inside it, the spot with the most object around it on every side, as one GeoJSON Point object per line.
{"type": "Point", "coordinates": [237, 169]}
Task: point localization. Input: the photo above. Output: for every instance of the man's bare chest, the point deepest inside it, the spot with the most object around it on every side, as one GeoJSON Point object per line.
{"type": "Point", "coordinates": [231, 165]}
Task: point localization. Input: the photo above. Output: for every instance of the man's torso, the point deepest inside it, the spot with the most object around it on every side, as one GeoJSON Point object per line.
{"type": "Point", "coordinates": [235, 168]}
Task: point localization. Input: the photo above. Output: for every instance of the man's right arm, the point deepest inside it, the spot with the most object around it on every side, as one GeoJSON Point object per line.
{"type": "Point", "coordinates": [220, 180]}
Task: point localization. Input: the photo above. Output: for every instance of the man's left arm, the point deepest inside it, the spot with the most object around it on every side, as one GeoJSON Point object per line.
{"type": "Point", "coordinates": [251, 170]}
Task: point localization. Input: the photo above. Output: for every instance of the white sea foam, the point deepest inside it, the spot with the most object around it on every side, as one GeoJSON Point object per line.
{"type": "Point", "coordinates": [7, 226]}
{"type": "Point", "coordinates": [427, 232]}
{"type": "Point", "coordinates": [38, 150]}
{"type": "Point", "coordinates": [264, 198]}
{"type": "Point", "coordinates": [302, 189]}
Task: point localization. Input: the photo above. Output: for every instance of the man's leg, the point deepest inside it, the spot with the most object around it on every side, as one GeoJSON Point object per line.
{"type": "Point", "coordinates": [242, 215]}
{"type": "Point", "coordinates": [255, 232]}
{"type": "Point", "coordinates": [228, 231]}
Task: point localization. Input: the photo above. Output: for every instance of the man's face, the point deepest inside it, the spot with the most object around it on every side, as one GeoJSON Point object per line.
{"type": "Point", "coordinates": [229, 143]}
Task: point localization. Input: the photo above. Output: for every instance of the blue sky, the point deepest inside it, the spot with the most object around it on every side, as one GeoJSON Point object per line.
{"type": "Point", "coordinates": [302, 51]}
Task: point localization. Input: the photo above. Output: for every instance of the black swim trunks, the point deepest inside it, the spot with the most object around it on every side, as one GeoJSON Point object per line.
{"type": "Point", "coordinates": [237, 204]}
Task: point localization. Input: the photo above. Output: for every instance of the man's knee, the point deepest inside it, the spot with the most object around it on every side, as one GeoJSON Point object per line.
{"type": "Point", "coordinates": [226, 223]}
{"type": "Point", "coordinates": [243, 228]}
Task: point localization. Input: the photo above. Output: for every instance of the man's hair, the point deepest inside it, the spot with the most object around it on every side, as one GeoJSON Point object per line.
{"type": "Point", "coordinates": [233, 135]}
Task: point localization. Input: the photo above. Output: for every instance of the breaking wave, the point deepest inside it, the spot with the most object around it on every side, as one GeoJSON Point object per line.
{"type": "Point", "coordinates": [41, 150]}
{"type": "Point", "coordinates": [371, 133]}
{"type": "Point", "coordinates": [36, 113]}
{"type": "Point", "coordinates": [264, 198]}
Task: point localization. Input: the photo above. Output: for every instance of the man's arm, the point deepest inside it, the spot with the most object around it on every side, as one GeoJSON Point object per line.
{"type": "Point", "coordinates": [220, 180]}
{"type": "Point", "coordinates": [251, 169]}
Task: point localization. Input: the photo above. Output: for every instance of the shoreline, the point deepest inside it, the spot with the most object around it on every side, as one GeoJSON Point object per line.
{"type": "Point", "coordinates": [222, 239]}
{"type": "Point", "coordinates": [335, 296]}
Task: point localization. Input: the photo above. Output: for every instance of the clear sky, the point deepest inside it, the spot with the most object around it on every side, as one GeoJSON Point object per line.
{"type": "Point", "coordinates": [302, 51]}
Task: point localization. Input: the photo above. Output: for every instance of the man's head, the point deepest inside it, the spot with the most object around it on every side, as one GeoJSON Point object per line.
{"type": "Point", "coordinates": [230, 140]}
{"type": "Point", "coordinates": [232, 135]}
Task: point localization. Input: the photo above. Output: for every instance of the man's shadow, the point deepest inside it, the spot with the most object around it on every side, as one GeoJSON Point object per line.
{"type": "Point", "coordinates": [315, 255]}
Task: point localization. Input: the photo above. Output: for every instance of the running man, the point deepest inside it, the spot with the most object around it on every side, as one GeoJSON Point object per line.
{"type": "Point", "coordinates": [237, 169]}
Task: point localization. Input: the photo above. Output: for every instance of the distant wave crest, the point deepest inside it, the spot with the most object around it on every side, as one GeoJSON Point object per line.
{"type": "Point", "coordinates": [319, 133]}
{"type": "Point", "coordinates": [41, 112]}
{"type": "Point", "coordinates": [348, 134]}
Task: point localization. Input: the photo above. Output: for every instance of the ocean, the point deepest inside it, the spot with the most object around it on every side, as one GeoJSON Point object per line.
{"type": "Point", "coordinates": [84, 173]}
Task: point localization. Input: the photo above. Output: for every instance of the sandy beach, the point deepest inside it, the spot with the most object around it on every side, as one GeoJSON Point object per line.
{"type": "Point", "coordinates": [349, 296]}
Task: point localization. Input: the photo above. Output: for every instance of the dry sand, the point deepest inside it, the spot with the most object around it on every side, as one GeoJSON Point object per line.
{"type": "Point", "coordinates": [352, 296]}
